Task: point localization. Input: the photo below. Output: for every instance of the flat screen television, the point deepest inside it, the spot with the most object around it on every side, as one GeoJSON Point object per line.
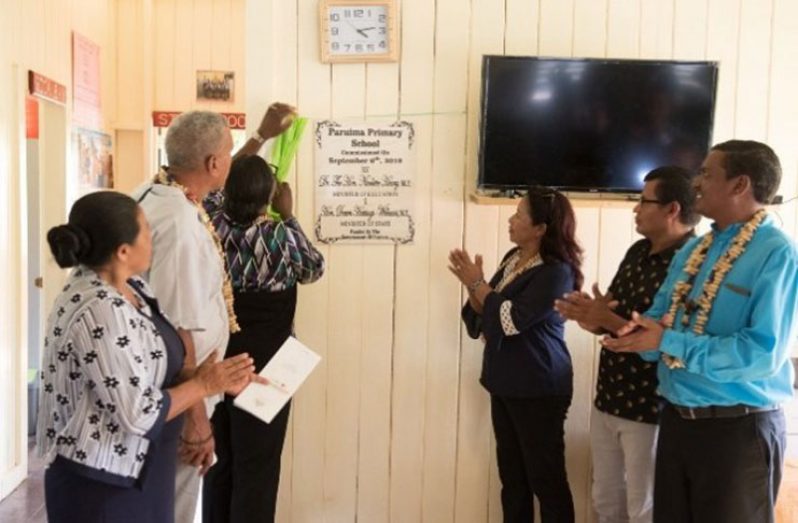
{"type": "Point", "coordinates": [595, 125]}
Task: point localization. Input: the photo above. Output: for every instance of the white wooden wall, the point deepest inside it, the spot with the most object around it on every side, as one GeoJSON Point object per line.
{"type": "Point", "coordinates": [193, 35]}
{"type": "Point", "coordinates": [34, 34]}
{"type": "Point", "coordinates": [393, 426]}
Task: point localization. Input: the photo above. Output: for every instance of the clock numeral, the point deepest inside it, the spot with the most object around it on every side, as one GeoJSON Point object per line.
{"type": "Point", "coordinates": [333, 31]}
{"type": "Point", "coordinates": [382, 44]}
{"type": "Point", "coordinates": [348, 47]}
{"type": "Point", "coordinates": [370, 47]}
{"type": "Point", "coordinates": [347, 13]}
{"type": "Point", "coordinates": [358, 13]}
{"type": "Point", "coordinates": [382, 30]}
{"type": "Point", "coordinates": [335, 17]}
{"type": "Point", "coordinates": [359, 48]}
{"type": "Point", "coordinates": [381, 18]}
{"type": "Point", "coordinates": [335, 46]}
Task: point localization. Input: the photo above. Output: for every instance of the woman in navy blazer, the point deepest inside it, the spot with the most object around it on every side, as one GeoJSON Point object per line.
{"type": "Point", "coordinates": [526, 366]}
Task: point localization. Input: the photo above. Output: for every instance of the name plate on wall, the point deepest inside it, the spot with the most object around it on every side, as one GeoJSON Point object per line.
{"type": "Point", "coordinates": [365, 182]}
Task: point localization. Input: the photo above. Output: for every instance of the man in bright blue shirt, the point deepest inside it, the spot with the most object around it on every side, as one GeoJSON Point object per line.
{"type": "Point", "coordinates": [722, 326]}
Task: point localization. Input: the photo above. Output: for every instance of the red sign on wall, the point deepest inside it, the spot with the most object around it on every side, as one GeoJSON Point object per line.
{"type": "Point", "coordinates": [164, 118]}
{"type": "Point", "coordinates": [43, 87]}
{"type": "Point", "coordinates": [31, 118]}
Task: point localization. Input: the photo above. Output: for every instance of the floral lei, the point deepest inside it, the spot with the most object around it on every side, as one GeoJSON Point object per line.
{"type": "Point", "coordinates": [703, 304]}
{"type": "Point", "coordinates": [163, 178]}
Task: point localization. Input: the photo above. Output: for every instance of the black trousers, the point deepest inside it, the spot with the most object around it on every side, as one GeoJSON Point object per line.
{"type": "Point", "coordinates": [242, 486]}
{"type": "Point", "coordinates": [720, 469]}
{"type": "Point", "coordinates": [530, 448]}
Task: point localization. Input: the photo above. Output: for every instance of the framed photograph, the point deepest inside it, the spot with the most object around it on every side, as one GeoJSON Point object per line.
{"type": "Point", "coordinates": [94, 156]}
{"type": "Point", "coordinates": [218, 86]}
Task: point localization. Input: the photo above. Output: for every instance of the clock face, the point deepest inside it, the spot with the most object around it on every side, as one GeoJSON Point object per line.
{"type": "Point", "coordinates": [358, 30]}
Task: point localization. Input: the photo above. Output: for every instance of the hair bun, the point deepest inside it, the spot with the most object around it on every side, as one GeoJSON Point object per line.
{"type": "Point", "coordinates": [69, 244]}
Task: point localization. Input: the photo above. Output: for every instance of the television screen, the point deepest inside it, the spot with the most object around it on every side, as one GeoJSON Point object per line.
{"type": "Point", "coordinates": [591, 125]}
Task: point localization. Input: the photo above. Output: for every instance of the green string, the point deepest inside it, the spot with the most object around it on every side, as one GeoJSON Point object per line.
{"type": "Point", "coordinates": [396, 116]}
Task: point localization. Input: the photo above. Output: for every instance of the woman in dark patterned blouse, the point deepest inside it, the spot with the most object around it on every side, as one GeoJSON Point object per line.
{"type": "Point", "coordinates": [112, 387]}
{"type": "Point", "coordinates": [266, 259]}
{"type": "Point", "coordinates": [526, 366]}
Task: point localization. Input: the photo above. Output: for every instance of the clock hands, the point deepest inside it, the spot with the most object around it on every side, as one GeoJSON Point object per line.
{"type": "Point", "coordinates": [361, 31]}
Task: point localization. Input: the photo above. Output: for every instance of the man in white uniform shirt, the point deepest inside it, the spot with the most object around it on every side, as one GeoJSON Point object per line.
{"type": "Point", "coordinates": [187, 272]}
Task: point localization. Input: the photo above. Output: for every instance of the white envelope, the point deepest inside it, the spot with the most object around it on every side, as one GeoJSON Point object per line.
{"type": "Point", "coordinates": [286, 372]}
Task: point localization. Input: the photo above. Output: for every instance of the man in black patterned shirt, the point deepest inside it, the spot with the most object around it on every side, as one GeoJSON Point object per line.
{"type": "Point", "coordinates": [623, 430]}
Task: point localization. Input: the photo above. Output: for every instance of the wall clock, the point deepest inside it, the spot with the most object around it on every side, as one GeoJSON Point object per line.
{"type": "Point", "coordinates": [354, 31]}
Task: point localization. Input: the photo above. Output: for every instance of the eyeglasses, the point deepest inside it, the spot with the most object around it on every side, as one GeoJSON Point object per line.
{"type": "Point", "coordinates": [273, 168]}
{"type": "Point", "coordinates": [642, 200]}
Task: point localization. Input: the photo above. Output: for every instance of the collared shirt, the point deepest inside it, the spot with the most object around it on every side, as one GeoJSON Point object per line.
{"type": "Point", "coordinates": [265, 256]}
{"type": "Point", "coordinates": [627, 384]}
{"type": "Point", "coordinates": [103, 364]}
{"type": "Point", "coordinates": [743, 356]}
{"type": "Point", "coordinates": [187, 271]}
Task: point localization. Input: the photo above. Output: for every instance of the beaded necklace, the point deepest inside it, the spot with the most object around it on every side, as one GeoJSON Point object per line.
{"type": "Point", "coordinates": [703, 304]}
{"type": "Point", "coordinates": [692, 267]}
{"type": "Point", "coordinates": [163, 178]}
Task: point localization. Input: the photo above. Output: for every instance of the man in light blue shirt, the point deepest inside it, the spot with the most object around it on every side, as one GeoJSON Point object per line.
{"type": "Point", "coordinates": [722, 326]}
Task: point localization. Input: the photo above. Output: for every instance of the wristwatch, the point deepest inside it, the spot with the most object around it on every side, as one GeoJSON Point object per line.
{"type": "Point", "coordinates": [257, 137]}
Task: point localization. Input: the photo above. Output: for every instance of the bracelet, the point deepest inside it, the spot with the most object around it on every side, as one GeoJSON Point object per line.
{"type": "Point", "coordinates": [258, 137]}
{"type": "Point", "coordinates": [198, 442]}
{"type": "Point", "coordinates": [472, 287]}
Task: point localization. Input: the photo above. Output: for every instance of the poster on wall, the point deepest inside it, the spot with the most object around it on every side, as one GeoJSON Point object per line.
{"type": "Point", "coordinates": [86, 109]}
{"type": "Point", "coordinates": [365, 182]}
{"type": "Point", "coordinates": [217, 86]}
{"type": "Point", "coordinates": [95, 160]}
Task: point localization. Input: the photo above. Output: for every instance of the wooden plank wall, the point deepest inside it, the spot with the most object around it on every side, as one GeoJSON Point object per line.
{"type": "Point", "coordinates": [393, 426]}
{"type": "Point", "coordinates": [37, 35]}
{"type": "Point", "coordinates": [191, 35]}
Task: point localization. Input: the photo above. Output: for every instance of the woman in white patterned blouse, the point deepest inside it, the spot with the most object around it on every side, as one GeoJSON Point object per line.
{"type": "Point", "coordinates": [113, 387]}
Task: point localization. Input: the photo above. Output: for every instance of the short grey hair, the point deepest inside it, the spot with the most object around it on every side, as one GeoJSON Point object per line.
{"type": "Point", "coordinates": [192, 137]}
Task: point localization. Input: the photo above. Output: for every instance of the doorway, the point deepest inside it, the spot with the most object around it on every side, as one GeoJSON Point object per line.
{"type": "Point", "coordinates": [37, 200]}
{"type": "Point", "coordinates": [35, 281]}
{"type": "Point", "coordinates": [47, 197]}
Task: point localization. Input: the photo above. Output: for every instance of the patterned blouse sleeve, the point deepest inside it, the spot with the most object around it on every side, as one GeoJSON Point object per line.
{"type": "Point", "coordinates": [306, 261]}
{"type": "Point", "coordinates": [502, 316]}
{"type": "Point", "coordinates": [213, 202]}
{"type": "Point", "coordinates": [115, 368]}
